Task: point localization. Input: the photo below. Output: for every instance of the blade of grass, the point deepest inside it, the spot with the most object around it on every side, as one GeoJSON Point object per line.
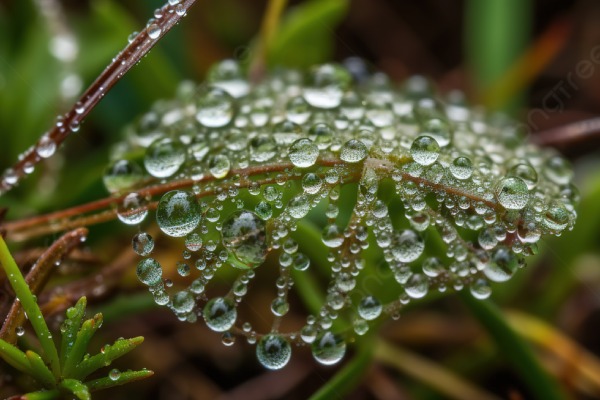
{"type": "Point", "coordinates": [42, 395]}
{"type": "Point", "coordinates": [15, 357]}
{"type": "Point", "coordinates": [517, 352]}
{"type": "Point", "coordinates": [268, 28]}
{"type": "Point", "coordinates": [88, 328]}
{"type": "Point", "coordinates": [125, 377]}
{"type": "Point", "coordinates": [72, 325]}
{"type": "Point", "coordinates": [555, 342]}
{"type": "Point", "coordinates": [30, 306]}
{"type": "Point", "coordinates": [78, 389]}
{"type": "Point", "coordinates": [348, 377]}
{"type": "Point", "coordinates": [107, 356]}
{"type": "Point", "coordinates": [434, 375]}
{"type": "Point", "coordinates": [40, 371]}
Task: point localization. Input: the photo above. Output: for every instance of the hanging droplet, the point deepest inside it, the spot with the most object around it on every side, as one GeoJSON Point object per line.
{"type": "Point", "coordinates": [219, 166]}
{"type": "Point", "coordinates": [149, 272]}
{"type": "Point", "coordinates": [220, 314]}
{"type": "Point", "coordinates": [417, 286]}
{"type": "Point", "coordinates": [132, 209]}
{"type": "Point", "coordinates": [164, 157]}
{"type": "Point", "coordinates": [311, 183]}
{"type": "Point", "coordinates": [273, 351]}
{"type": "Point", "coordinates": [332, 236]}
{"type": "Point", "coordinates": [193, 241]}
{"type": "Point", "coordinates": [244, 234]}
{"type": "Point", "coordinates": [502, 266]}
{"type": "Point", "coordinates": [369, 308]}
{"type": "Point", "coordinates": [407, 246]}
{"type": "Point", "coordinates": [183, 302]}
{"type": "Point", "coordinates": [480, 289]}
{"type": "Point", "coordinates": [178, 213]}
{"type": "Point", "coordinates": [121, 175]}
{"type": "Point", "coordinates": [328, 348]}
{"type": "Point", "coordinates": [142, 244]}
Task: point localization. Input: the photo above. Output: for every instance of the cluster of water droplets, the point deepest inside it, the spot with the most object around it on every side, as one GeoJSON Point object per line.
{"type": "Point", "coordinates": [401, 184]}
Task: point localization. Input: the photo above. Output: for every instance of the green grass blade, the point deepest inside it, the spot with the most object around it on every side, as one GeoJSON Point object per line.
{"type": "Point", "coordinates": [78, 389]}
{"type": "Point", "coordinates": [80, 345]}
{"type": "Point", "coordinates": [15, 357]}
{"type": "Point", "coordinates": [30, 306]}
{"type": "Point", "coordinates": [516, 351]}
{"type": "Point", "coordinates": [348, 377]}
{"type": "Point", "coordinates": [125, 377]}
{"type": "Point", "coordinates": [40, 371]}
{"type": "Point", "coordinates": [103, 359]}
{"type": "Point", "coordinates": [71, 326]}
{"type": "Point", "coordinates": [42, 395]}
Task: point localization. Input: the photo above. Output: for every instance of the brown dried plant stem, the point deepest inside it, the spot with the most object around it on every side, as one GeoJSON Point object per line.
{"type": "Point", "coordinates": [113, 73]}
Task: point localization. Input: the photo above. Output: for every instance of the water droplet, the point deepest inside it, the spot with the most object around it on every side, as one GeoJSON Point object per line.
{"type": "Point", "coordinates": [299, 206]}
{"type": "Point", "coordinates": [132, 209]}
{"type": "Point", "coordinates": [311, 183]}
{"type": "Point", "coordinates": [264, 210]}
{"type": "Point", "coordinates": [178, 213]}
{"type": "Point", "coordinates": [502, 266]}
{"type": "Point", "coordinates": [407, 246]}
{"type": "Point", "coordinates": [326, 86]}
{"type": "Point", "coordinates": [556, 217]}
{"type": "Point", "coordinates": [425, 150]}
{"type": "Point", "coordinates": [525, 172]}
{"type": "Point", "coordinates": [114, 374]}
{"type": "Point", "coordinates": [332, 236]}
{"type": "Point", "coordinates": [512, 193]}
{"type": "Point", "coordinates": [215, 107]}
{"type": "Point", "coordinates": [328, 348]}
{"type": "Point", "coordinates": [461, 168]}
{"type": "Point", "coordinates": [558, 170]}
{"type": "Point", "coordinates": [369, 308]}
{"type": "Point", "coordinates": [417, 286]}
{"type": "Point", "coordinates": [262, 148]}
{"type": "Point", "coordinates": [480, 289]}
{"type": "Point", "coordinates": [279, 306]}
{"type": "Point", "coordinates": [228, 75]}
{"type": "Point", "coordinates": [46, 147]}
{"type": "Point", "coordinates": [220, 314]}
{"type": "Point", "coordinates": [154, 31]}
{"type": "Point", "coordinates": [273, 351]}
{"type": "Point", "coordinates": [303, 153]}
{"type": "Point", "coordinates": [301, 262]}
{"type": "Point", "coordinates": [432, 267]}
{"type": "Point", "coordinates": [149, 272]}
{"type": "Point", "coordinates": [193, 242]}
{"type": "Point", "coordinates": [143, 244]}
{"type": "Point", "coordinates": [353, 151]}
{"type": "Point", "coordinates": [164, 157]}
{"type": "Point", "coordinates": [121, 175]}
{"type": "Point", "coordinates": [20, 331]}
{"type": "Point", "coordinates": [183, 302]}
{"type": "Point", "coordinates": [219, 166]}
{"type": "Point", "coordinates": [244, 234]}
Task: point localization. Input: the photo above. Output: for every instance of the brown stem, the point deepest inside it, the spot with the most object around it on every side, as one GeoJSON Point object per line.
{"type": "Point", "coordinates": [38, 276]}
{"type": "Point", "coordinates": [568, 134]}
{"type": "Point", "coordinates": [121, 64]}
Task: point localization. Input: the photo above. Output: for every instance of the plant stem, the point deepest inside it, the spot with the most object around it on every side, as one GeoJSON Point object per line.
{"type": "Point", "coordinates": [268, 29]}
{"type": "Point", "coordinates": [121, 64]}
{"type": "Point", "coordinates": [30, 306]}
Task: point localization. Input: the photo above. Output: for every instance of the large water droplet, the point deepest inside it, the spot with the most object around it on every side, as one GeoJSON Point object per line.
{"type": "Point", "coordinates": [132, 209]}
{"type": "Point", "coordinates": [215, 107]}
{"type": "Point", "coordinates": [328, 348]}
{"type": "Point", "coordinates": [512, 193]}
{"type": "Point", "coordinates": [303, 153]}
{"type": "Point", "coordinates": [461, 168]}
{"type": "Point", "coordinates": [244, 234]}
{"type": "Point", "coordinates": [183, 302]}
{"type": "Point", "coordinates": [502, 266]}
{"type": "Point", "coordinates": [220, 314]}
{"type": "Point", "coordinates": [369, 308]}
{"type": "Point", "coordinates": [425, 150]}
{"type": "Point", "coordinates": [149, 272]}
{"type": "Point", "coordinates": [228, 75]}
{"type": "Point", "coordinates": [407, 246]}
{"type": "Point", "coordinates": [164, 157]}
{"type": "Point", "coordinates": [273, 351]}
{"type": "Point", "coordinates": [178, 213]}
{"type": "Point", "coordinates": [326, 86]}
{"type": "Point", "coordinates": [353, 151]}
{"type": "Point", "coordinates": [142, 244]}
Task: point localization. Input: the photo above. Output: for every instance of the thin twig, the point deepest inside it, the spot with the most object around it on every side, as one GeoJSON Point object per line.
{"type": "Point", "coordinates": [568, 134]}
{"type": "Point", "coordinates": [121, 64]}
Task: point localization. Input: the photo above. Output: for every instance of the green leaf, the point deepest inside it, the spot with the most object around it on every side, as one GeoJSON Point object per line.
{"type": "Point", "coordinates": [516, 351]}
{"type": "Point", "coordinates": [78, 389]}
{"type": "Point", "coordinates": [15, 357]}
{"type": "Point", "coordinates": [125, 377]}
{"type": "Point", "coordinates": [71, 326]}
{"type": "Point", "coordinates": [306, 35]}
{"type": "Point", "coordinates": [348, 377]}
{"type": "Point", "coordinates": [42, 395]}
{"type": "Point", "coordinates": [30, 307]}
{"type": "Point", "coordinates": [107, 356]}
{"type": "Point", "coordinates": [40, 371]}
{"type": "Point", "coordinates": [80, 345]}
